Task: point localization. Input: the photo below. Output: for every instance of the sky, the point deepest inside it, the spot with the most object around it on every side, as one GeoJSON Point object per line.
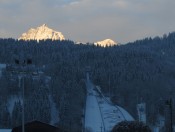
{"type": "Point", "coordinates": [89, 20]}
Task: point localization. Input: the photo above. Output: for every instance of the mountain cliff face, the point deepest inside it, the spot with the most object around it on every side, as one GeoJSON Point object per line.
{"type": "Point", "coordinates": [41, 33]}
{"type": "Point", "coordinates": [106, 42]}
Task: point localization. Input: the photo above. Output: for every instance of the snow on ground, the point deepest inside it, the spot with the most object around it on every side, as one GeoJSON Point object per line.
{"type": "Point", "coordinates": [54, 112]}
{"type": "Point", "coordinates": [127, 116]}
{"type": "Point", "coordinates": [11, 103]}
{"type": "Point", "coordinates": [100, 114]}
{"type": "Point", "coordinates": [2, 66]}
{"type": "Point", "coordinates": [93, 119]}
{"type": "Point", "coordinates": [112, 114]}
{"type": "Point", "coordinates": [5, 130]}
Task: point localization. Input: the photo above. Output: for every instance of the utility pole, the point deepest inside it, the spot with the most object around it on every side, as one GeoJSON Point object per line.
{"type": "Point", "coordinates": [23, 118]}
{"type": "Point", "coordinates": [169, 103]}
{"type": "Point", "coordinates": [101, 127]}
{"type": "Point", "coordinates": [171, 115]}
{"type": "Point", "coordinates": [21, 84]}
{"type": "Point", "coordinates": [22, 69]}
{"type": "Point", "coordinates": [109, 83]}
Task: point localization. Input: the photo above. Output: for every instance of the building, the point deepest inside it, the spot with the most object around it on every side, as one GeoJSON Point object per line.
{"type": "Point", "coordinates": [141, 110]}
{"type": "Point", "coordinates": [37, 126]}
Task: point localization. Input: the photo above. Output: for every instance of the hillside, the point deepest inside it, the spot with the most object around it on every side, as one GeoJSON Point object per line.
{"type": "Point", "coordinates": [141, 70]}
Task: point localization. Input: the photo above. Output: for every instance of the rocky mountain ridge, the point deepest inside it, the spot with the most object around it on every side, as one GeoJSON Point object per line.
{"type": "Point", "coordinates": [106, 42]}
{"type": "Point", "coordinates": [42, 32]}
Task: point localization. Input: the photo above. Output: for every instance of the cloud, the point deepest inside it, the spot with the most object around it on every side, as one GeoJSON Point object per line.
{"type": "Point", "coordinates": [89, 20]}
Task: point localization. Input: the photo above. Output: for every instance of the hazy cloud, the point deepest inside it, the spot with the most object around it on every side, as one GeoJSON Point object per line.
{"type": "Point", "coordinates": [89, 20]}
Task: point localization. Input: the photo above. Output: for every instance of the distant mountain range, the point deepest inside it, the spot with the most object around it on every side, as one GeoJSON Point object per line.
{"type": "Point", "coordinates": [43, 32]}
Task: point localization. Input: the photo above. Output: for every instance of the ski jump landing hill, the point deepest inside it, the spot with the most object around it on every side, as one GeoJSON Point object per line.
{"type": "Point", "coordinates": [100, 114]}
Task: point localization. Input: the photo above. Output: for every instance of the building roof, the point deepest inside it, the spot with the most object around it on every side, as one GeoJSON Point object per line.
{"type": "Point", "coordinates": [37, 126]}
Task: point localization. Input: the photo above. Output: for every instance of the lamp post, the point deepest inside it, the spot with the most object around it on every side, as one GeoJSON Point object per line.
{"type": "Point", "coordinates": [21, 76]}
{"type": "Point", "coordinates": [169, 103]}
{"type": "Point", "coordinates": [21, 83]}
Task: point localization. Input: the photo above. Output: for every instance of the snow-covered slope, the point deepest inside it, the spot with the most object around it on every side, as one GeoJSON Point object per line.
{"type": "Point", "coordinates": [41, 33]}
{"type": "Point", "coordinates": [93, 117]}
{"type": "Point", "coordinates": [101, 114]}
{"type": "Point", "coordinates": [106, 42]}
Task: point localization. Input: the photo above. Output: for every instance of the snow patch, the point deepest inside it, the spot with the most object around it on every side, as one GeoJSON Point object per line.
{"type": "Point", "coordinates": [54, 111]}
{"type": "Point", "coordinates": [11, 103]}
{"type": "Point", "coordinates": [2, 66]}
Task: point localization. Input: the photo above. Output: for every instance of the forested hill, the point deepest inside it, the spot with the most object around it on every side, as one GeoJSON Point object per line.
{"type": "Point", "coordinates": [144, 69]}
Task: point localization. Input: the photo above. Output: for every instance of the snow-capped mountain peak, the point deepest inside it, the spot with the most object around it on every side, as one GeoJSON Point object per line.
{"type": "Point", "coordinates": [42, 32]}
{"type": "Point", "coordinates": [44, 25]}
{"type": "Point", "coordinates": [106, 42]}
